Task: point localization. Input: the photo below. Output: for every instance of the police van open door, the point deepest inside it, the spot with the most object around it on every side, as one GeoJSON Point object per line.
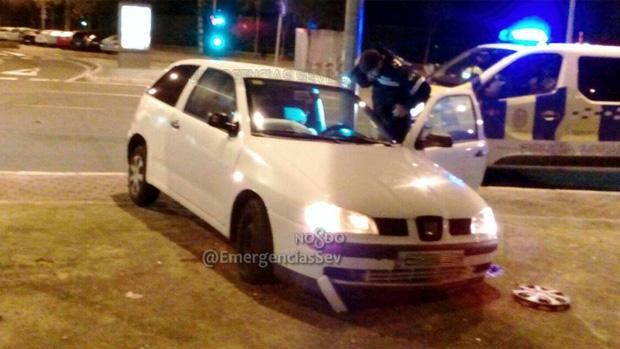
{"type": "Point", "coordinates": [449, 132]}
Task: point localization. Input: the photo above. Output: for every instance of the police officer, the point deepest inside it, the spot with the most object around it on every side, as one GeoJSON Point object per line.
{"type": "Point", "coordinates": [397, 88]}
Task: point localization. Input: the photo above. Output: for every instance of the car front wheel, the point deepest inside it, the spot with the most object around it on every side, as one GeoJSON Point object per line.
{"type": "Point", "coordinates": [140, 192]}
{"type": "Point", "coordinates": [254, 237]}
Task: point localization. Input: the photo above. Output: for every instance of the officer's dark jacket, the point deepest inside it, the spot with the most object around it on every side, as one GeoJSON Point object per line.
{"type": "Point", "coordinates": [397, 83]}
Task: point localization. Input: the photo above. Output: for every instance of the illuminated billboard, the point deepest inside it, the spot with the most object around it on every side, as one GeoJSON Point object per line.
{"type": "Point", "coordinates": [135, 26]}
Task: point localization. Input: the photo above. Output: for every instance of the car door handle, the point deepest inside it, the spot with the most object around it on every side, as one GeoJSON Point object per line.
{"type": "Point", "coordinates": [175, 124]}
{"type": "Point", "coordinates": [550, 115]}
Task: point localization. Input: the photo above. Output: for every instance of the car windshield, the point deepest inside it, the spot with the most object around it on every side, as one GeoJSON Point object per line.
{"type": "Point", "coordinates": [312, 112]}
{"type": "Point", "coordinates": [468, 65]}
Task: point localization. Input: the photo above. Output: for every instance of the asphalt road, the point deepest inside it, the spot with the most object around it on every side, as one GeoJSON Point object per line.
{"type": "Point", "coordinates": [49, 122]}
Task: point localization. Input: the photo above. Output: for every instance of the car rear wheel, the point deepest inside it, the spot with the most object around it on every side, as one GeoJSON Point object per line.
{"type": "Point", "coordinates": [140, 192]}
{"type": "Point", "coordinates": [254, 237]}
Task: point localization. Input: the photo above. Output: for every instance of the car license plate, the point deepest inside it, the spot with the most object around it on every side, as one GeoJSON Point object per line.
{"type": "Point", "coordinates": [416, 259]}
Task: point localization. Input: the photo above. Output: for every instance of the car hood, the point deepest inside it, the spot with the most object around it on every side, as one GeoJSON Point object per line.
{"type": "Point", "coordinates": [377, 180]}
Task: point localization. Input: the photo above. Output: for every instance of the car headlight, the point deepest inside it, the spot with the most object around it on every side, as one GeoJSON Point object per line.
{"type": "Point", "coordinates": [484, 223]}
{"type": "Point", "coordinates": [333, 219]}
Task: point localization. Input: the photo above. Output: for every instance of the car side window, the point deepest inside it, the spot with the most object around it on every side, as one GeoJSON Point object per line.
{"type": "Point", "coordinates": [170, 86]}
{"type": "Point", "coordinates": [453, 115]}
{"type": "Point", "coordinates": [214, 93]}
{"type": "Point", "coordinates": [530, 75]}
{"type": "Point", "coordinates": [598, 78]}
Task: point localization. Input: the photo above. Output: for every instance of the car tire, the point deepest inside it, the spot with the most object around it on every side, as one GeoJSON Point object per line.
{"type": "Point", "coordinates": [254, 237]}
{"type": "Point", "coordinates": [140, 191]}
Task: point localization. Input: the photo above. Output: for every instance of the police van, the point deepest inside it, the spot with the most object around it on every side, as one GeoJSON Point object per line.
{"type": "Point", "coordinates": [543, 106]}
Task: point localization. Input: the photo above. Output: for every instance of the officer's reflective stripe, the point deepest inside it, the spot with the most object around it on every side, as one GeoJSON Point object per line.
{"type": "Point", "coordinates": [417, 85]}
{"type": "Point", "coordinates": [387, 81]}
{"type": "Point", "coordinates": [549, 114]}
{"type": "Point", "coordinates": [609, 128]}
{"type": "Point", "coordinates": [494, 115]}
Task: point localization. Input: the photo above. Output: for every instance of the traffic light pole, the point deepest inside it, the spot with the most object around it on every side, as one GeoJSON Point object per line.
{"type": "Point", "coordinates": [201, 26]}
{"type": "Point", "coordinates": [571, 21]}
{"type": "Point", "coordinates": [353, 32]}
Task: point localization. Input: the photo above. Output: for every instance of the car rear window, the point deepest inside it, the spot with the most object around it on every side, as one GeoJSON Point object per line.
{"type": "Point", "coordinates": [170, 86]}
{"type": "Point", "coordinates": [598, 78]}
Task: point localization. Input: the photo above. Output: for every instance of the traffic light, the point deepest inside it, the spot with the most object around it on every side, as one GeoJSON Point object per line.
{"type": "Point", "coordinates": [218, 35]}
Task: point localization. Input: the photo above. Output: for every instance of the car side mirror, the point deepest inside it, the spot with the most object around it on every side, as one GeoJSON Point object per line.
{"type": "Point", "coordinates": [223, 122]}
{"type": "Point", "coordinates": [442, 140]}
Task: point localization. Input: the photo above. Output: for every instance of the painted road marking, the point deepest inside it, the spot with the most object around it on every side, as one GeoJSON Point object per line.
{"type": "Point", "coordinates": [23, 72]}
{"type": "Point", "coordinates": [57, 107]}
{"type": "Point", "coordinates": [7, 78]}
{"type": "Point", "coordinates": [569, 191]}
{"type": "Point", "coordinates": [559, 218]}
{"type": "Point", "coordinates": [110, 94]}
{"type": "Point", "coordinates": [87, 71]}
{"type": "Point", "coordinates": [17, 54]}
{"type": "Point", "coordinates": [51, 173]}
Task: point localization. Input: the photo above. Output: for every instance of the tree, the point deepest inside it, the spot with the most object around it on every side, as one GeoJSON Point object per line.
{"type": "Point", "coordinates": [44, 6]}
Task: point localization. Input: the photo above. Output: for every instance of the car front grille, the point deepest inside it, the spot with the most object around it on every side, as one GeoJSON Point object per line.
{"type": "Point", "coordinates": [412, 276]}
{"type": "Point", "coordinates": [392, 226]}
{"type": "Point", "coordinates": [417, 275]}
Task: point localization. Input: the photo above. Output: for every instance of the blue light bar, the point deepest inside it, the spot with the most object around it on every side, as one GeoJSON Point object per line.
{"type": "Point", "coordinates": [528, 31]}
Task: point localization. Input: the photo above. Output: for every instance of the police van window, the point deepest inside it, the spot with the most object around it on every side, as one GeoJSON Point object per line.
{"type": "Point", "coordinates": [214, 93]}
{"type": "Point", "coordinates": [469, 65]}
{"type": "Point", "coordinates": [455, 116]}
{"type": "Point", "coordinates": [530, 75]}
{"type": "Point", "coordinates": [598, 78]}
{"type": "Point", "coordinates": [170, 86]}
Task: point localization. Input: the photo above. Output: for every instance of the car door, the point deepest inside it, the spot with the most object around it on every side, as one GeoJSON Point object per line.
{"type": "Point", "coordinates": [161, 111]}
{"type": "Point", "coordinates": [203, 156]}
{"type": "Point", "coordinates": [456, 116]}
{"type": "Point", "coordinates": [524, 102]}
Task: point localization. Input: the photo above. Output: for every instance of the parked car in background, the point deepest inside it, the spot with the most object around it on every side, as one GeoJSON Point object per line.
{"type": "Point", "coordinates": [10, 33]}
{"type": "Point", "coordinates": [64, 39]}
{"type": "Point", "coordinates": [85, 41]}
{"type": "Point", "coordinates": [28, 36]}
{"type": "Point", "coordinates": [110, 44]}
{"type": "Point", "coordinates": [47, 37]}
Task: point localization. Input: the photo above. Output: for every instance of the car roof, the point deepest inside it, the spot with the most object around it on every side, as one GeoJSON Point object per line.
{"type": "Point", "coordinates": [560, 48]}
{"type": "Point", "coordinates": [250, 70]}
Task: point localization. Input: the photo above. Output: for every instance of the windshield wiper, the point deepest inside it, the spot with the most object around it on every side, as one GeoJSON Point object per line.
{"type": "Point", "coordinates": [297, 135]}
{"type": "Point", "coordinates": [360, 139]}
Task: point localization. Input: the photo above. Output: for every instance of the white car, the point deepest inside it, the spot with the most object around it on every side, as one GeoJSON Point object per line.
{"type": "Point", "coordinates": [110, 44]}
{"type": "Point", "coordinates": [265, 154]}
{"type": "Point", "coordinates": [544, 106]}
{"type": "Point", "coordinates": [48, 37]}
{"type": "Point", "coordinates": [10, 33]}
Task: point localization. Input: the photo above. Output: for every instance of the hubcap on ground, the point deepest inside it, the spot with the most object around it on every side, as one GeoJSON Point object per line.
{"type": "Point", "coordinates": [543, 298]}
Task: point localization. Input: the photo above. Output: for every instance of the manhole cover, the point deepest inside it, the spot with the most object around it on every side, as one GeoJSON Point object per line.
{"type": "Point", "coordinates": [543, 298]}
